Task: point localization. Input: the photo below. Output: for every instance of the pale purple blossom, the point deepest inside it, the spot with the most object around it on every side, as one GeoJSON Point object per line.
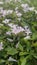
{"type": "Point", "coordinates": [16, 29]}
{"type": "Point", "coordinates": [5, 12]}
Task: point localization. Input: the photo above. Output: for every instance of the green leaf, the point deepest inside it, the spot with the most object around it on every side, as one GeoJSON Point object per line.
{"type": "Point", "coordinates": [1, 60]}
{"type": "Point", "coordinates": [34, 44]}
{"type": "Point", "coordinates": [20, 47]}
{"type": "Point", "coordinates": [11, 51]}
{"type": "Point", "coordinates": [34, 36]}
{"type": "Point", "coordinates": [35, 55]}
{"type": "Point", "coordinates": [23, 53]}
{"type": "Point", "coordinates": [24, 60]}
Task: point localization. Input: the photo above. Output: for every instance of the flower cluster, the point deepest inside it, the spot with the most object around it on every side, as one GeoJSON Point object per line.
{"type": "Point", "coordinates": [18, 33]}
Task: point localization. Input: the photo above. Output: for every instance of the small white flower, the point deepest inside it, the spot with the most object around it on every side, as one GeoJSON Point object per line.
{"type": "Point", "coordinates": [19, 14]}
{"type": "Point", "coordinates": [1, 2]}
{"type": "Point", "coordinates": [31, 8]}
{"type": "Point", "coordinates": [6, 12]}
{"type": "Point", "coordinates": [11, 25]}
{"type": "Point", "coordinates": [24, 5]}
{"type": "Point", "coordinates": [9, 11]}
{"type": "Point", "coordinates": [8, 33]}
{"type": "Point", "coordinates": [19, 19]}
{"type": "Point", "coordinates": [26, 27]}
{"type": "Point", "coordinates": [16, 11]}
{"type": "Point", "coordinates": [35, 11]}
{"type": "Point", "coordinates": [27, 37]}
{"type": "Point", "coordinates": [11, 59]}
{"type": "Point", "coordinates": [16, 8]}
{"type": "Point", "coordinates": [17, 45]}
{"type": "Point", "coordinates": [10, 39]}
{"type": "Point", "coordinates": [27, 30]}
{"type": "Point", "coordinates": [1, 46]}
{"type": "Point", "coordinates": [6, 21]}
{"type": "Point", "coordinates": [27, 8]}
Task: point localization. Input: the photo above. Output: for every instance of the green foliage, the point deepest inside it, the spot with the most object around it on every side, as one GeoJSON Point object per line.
{"type": "Point", "coordinates": [24, 51]}
{"type": "Point", "coordinates": [11, 51]}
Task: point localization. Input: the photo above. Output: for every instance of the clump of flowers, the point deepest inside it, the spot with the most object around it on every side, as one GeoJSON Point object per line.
{"type": "Point", "coordinates": [18, 33]}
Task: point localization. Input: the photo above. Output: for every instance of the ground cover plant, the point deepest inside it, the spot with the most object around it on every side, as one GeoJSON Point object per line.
{"type": "Point", "coordinates": [18, 32]}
